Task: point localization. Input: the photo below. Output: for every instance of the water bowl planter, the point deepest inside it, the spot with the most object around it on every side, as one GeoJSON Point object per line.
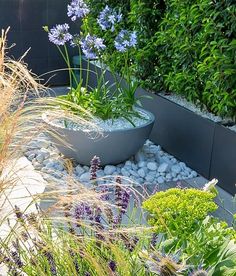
{"type": "Point", "coordinates": [113, 146]}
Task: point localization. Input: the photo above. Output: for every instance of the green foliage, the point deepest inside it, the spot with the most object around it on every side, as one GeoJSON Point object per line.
{"type": "Point", "coordinates": [180, 216]}
{"type": "Point", "coordinates": [206, 241]}
{"type": "Point", "coordinates": [226, 264]}
{"type": "Point", "coordinates": [185, 47]}
{"type": "Point", "coordinates": [196, 52]}
{"type": "Point", "coordinates": [102, 102]}
{"type": "Point", "coordinates": [178, 211]}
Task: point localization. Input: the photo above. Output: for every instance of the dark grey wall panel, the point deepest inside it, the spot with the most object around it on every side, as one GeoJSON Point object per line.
{"type": "Point", "coordinates": [26, 18]}
{"type": "Point", "coordinates": [223, 166]}
{"type": "Point", "coordinates": [182, 133]}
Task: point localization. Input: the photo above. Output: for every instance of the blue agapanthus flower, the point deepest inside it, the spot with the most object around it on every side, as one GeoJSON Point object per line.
{"type": "Point", "coordinates": [59, 35]}
{"type": "Point", "coordinates": [75, 41]}
{"type": "Point", "coordinates": [125, 40]}
{"type": "Point", "coordinates": [92, 46]}
{"type": "Point", "coordinates": [77, 9]}
{"type": "Point", "coordinates": [108, 18]}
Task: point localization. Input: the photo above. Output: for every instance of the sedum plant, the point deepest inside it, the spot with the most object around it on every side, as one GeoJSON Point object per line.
{"type": "Point", "coordinates": [178, 211]}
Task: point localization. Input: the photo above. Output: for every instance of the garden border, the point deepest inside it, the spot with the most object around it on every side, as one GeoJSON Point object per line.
{"type": "Point", "coordinates": [204, 145]}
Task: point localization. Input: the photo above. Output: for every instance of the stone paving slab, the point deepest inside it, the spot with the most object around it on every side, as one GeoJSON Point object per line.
{"type": "Point", "coordinates": [27, 183]}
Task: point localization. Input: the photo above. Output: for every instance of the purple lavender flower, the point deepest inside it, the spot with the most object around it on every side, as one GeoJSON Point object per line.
{"type": "Point", "coordinates": [108, 18]}
{"type": "Point", "coordinates": [112, 265]}
{"type": "Point", "coordinates": [92, 46]}
{"type": "Point", "coordinates": [95, 166]}
{"type": "Point", "coordinates": [59, 35]}
{"type": "Point", "coordinates": [19, 214]}
{"type": "Point", "coordinates": [105, 193]}
{"type": "Point", "coordinates": [125, 40]}
{"type": "Point", "coordinates": [51, 262]}
{"type": "Point", "coordinates": [16, 258]}
{"type": "Point", "coordinates": [79, 211]}
{"type": "Point", "coordinates": [154, 239]}
{"type": "Point", "coordinates": [98, 216]}
{"type": "Point", "coordinates": [125, 201]}
{"type": "Point", "coordinates": [77, 9]}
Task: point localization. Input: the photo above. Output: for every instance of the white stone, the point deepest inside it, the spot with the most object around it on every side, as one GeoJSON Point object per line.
{"type": "Point", "coordinates": [163, 167]}
{"type": "Point", "coordinates": [37, 166]}
{"type": "Point", "coordinates": [149, 178]}
{"type": "Point", "coordinates": [124, 172]}
{"type": "Point", "coordinates": [176, 169]}
{"type": "Point", "coordinates": [100, 173]}
{"type": "Point", "coordinates": [134, 173]}
{"type": "Point", "coordinates": [79, 170]}
{"type": "Point", "coordinates": [57, 175]}
{"type": "Point", "coordinates": [182, 165]}
{"type": "Point", "coordinates": [31, 156]}
{"type": "Point", "coordinates": [85, 177]}
{"type": "Point", "coordinates": [174, 174]}
{"type": "Point", "coordinates": [142, 164]}
{"type": "Point", "coordinates": [109, 169]}
{"type": "Point", "coordinates": [139, 156]}
{"type": "Point", "coordinates": [160, 180]}
{"type": "Point", "coordinates": [42, 144]}
{"type": "Point", "coordinates": [152, 166]}
{"type": "Point", "coordinates": [134, 167]}
{"type": "Point", "coordinates": [50, 164]}
{"type": "Point", "coordinates": [174, 160]}
{"type": "Point", "coordinates": [166, 159]}
{"type": "Point", "coordinates": [28, 153]}
{"type": "Point", "coordinates": [86, 168]}
{"type": "Point", "coordinates": [59, 167]}
{"type": "Point", "coordinates": [128, 163]}
{"type": "Point", "coordinates": [168, 176]}
{"type": "Point", "coordinates": [40, 157]}
{"type": "Point", "coordinates": [141, 172]}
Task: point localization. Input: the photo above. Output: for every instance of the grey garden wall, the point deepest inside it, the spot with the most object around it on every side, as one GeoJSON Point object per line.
{"type": "Point", "coordinates": [26, 18]}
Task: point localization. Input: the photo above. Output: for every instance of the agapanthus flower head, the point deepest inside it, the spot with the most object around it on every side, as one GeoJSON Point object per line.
{"type": "Point", "coordinates": [59, 35]}
{"type": "Point", "coordinates": [125, 40]}
{"type": "Point", "coordinates": [75, 41]}
{"type": "Point", "coordinates": [92, 46]}
{"type": "Point", "coordinates": [77, 9]}
{"type": "Point", "coordinates": [108, 18]}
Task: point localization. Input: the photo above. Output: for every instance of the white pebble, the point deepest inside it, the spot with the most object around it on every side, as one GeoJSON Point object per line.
{"type": "Point", "coordinates": [141, 172]}
{"type": "Point", "coordinates": [160, 180]}
{"type": "Point", "coordinates": [139, 156]}
{"type": "Point", "coordinates": [142, 164]}
{"type": "Point", "coordinates": [31, 156]}
{"type": "Point", "coordinates": [176, 169]}
{"type": "Point", "coordinates": [85, 177]}
{"type": "Point", "coordinates": [109, 169]}
{"type": "Point", "coordinates": [152, 166]}
{"type": "Point", "coordinates": [163, 167]}
{"type": "Point", "coordinates": [79, 170]}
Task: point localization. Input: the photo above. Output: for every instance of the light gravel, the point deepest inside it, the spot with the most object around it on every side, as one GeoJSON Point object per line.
{"type": "Point", "coordinates": [191, 106]}
{"type": "Point", "coordinates": [106, 125]}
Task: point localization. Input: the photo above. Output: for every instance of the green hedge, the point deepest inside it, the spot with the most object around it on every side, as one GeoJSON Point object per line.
{"type": "Point", "coordinates": [186, 47]}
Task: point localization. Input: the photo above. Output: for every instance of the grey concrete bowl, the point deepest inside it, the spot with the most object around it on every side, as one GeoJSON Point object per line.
{"type": "Point", "coordinates": [113, 147]}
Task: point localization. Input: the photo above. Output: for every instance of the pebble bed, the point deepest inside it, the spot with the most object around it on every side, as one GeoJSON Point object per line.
{"type": "Point", "coordinates": [151, 165]}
